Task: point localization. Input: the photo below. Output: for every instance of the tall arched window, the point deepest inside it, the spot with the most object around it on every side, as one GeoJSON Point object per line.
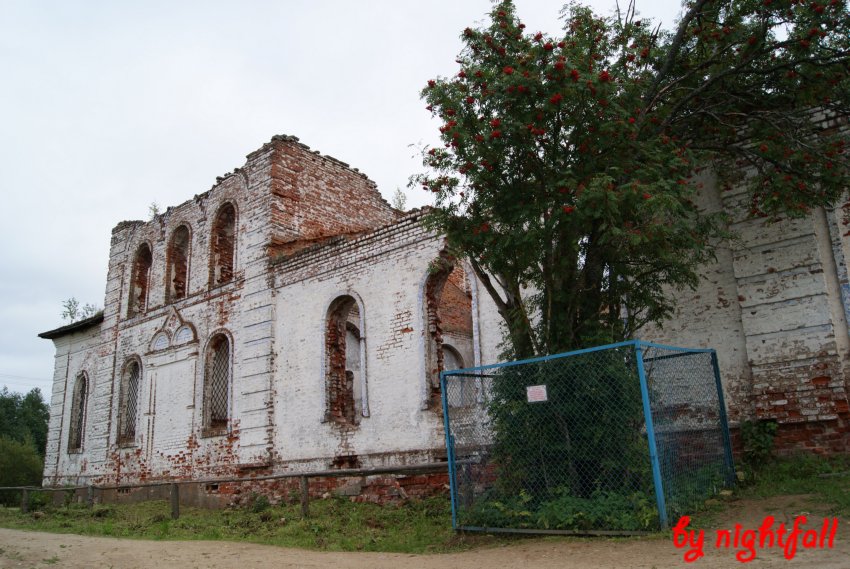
{"type": "Point", "coordinates": [78, 413]}
{"type": "Point", "coordinates": [177, 272]}
{"type": "Point", "coordinates": [344, 369]}
{"type": "Point", "coordinates": [217, 385]}
{"type": "Point", "coordinates": [129, 402]}
{"type": "Point", "coordinates": [140, 278]}
{"type": "Point", "coordinates": [222, 245]}
{"type": "Point", "coordinates": [448, 311]}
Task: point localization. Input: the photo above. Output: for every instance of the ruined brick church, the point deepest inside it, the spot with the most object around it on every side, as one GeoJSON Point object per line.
{"type": "Point", "coordinates": [289, 319]}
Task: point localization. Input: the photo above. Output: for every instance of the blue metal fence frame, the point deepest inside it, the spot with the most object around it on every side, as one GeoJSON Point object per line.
{"type": "Point", "coordinates": [639, 346]}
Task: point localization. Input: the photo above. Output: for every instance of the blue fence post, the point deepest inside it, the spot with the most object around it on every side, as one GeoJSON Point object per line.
{"type": "Point", "coordinates": [650, 435]}
{"type": "Point", "coordinates": [724, 423]}
{"type": "Point", "coordinates": [450, 447]}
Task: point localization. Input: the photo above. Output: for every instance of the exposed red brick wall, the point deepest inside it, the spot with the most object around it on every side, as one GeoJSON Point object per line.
{"type": "Point", "coordinates": [456, 304]}
{"type": "Point", "coordinates": [340, 386]}
{"type": "Point", "coordinates": [223, 238]}
{"type": "Point", "coordinates": [383, 489]}
{"type": "Point", "coordinates": [809, 405]}
{"type": "Point", "coordinates": [178, 264]}
{"type": "Point", "coordinates": [141, 280]}
{"type": "Point", "coordinates": [314, 197]}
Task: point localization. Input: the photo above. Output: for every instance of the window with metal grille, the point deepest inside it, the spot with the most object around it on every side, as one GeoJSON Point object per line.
{"type": "Point", "coordinates": [217, 385]}
{"type": "Point", "coordinates": [78, 414]}
{"type": "Point", "coordinates": [129, 402]}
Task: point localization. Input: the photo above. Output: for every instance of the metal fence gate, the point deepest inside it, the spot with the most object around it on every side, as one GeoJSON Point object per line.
{"type": "Point", "coordinates": [620, 438]}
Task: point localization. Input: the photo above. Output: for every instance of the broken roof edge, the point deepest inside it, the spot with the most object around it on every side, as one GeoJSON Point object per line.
{"type": "Point", "coordinates": [278, 138]}
{"type": "Point", "coordinates": [78, 326]}
{"type": "Point", "coordinates": [295, 141]}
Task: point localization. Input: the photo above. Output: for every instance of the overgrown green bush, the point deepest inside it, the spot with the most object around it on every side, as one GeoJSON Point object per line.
{"type": "Point", "coordinates": [757, 441]}
{"type": "Point", "coordinates": [602, 510]}
{"type": "Point", "coordinates": [587, 437]}
{"type": "Point", "coordinates": [259, 503]}
{"type": "Point", "coordinates": [579, 460]}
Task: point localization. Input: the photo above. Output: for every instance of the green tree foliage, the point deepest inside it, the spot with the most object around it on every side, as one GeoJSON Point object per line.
{"type": "Point", "coordinates": [23, 418]}
{"type": "Point", "coordinates": [570, 164]}
{"type": "Point", "coordinates": [568, 176]}
{"type": "Point", "coordinates": [20, 465]}
{"type": "Point", "coordinates": [399, 200]}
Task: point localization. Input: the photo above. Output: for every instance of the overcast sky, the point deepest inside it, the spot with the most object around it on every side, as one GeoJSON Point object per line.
{"type": "Point", "coordinates": [107, 106]}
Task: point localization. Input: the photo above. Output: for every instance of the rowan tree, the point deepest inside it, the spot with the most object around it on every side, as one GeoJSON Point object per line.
{"type": "Point", "coordinates": [570, 165]}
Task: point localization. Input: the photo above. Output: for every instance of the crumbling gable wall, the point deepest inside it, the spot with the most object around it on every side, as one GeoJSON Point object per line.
{"type": "Point", "coordinates": [316, 197]}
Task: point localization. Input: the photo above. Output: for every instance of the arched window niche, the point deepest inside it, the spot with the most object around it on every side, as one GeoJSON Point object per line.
{"type": "Point", "coordinates": [140, 281]}
{"type": "Point", "coordinates": [217, 381]}
{"type": "Point", "coordinates": [450, 337]}
{"type": "Point", "coordinates": [177, 266]}
{"type": "Point", "coordinates": [346, 399]}
{"type": "Point", "coordinates": [131, 377]}
{"type": "Point", "coordinates": [78, 413]}
{"type": "Point", "coordinates": [223, 246]}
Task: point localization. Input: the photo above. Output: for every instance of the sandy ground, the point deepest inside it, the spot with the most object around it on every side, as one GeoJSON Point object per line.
{"type": "Point", "coordinates": [21, 549]}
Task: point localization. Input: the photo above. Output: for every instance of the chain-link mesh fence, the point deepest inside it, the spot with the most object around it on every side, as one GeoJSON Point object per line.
{"type": "Point", "coordinates": [620, 438]}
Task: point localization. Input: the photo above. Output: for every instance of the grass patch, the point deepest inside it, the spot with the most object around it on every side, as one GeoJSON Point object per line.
{"type": "Point", "coordinates": [334, 525]}
{"type": "Point", "coordinates": [827, 479]}
{"type": "Point", "coordinates": [337, 524]}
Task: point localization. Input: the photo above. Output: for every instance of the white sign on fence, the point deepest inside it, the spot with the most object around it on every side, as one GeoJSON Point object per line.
{"type": "Point", "coordinates": [536, 393]}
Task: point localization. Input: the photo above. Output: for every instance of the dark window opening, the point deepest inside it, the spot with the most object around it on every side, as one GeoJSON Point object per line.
{"type": "Point", "coordinates": [177, 276]}
{"type": "Point", "coordinates": [222, 242]}
{"type": "Point", "coordinates": [344, 381]}
{"type": "Point", "coordinates": [78, 414]}
{"type": "Point", "coordinates": [139, 281]}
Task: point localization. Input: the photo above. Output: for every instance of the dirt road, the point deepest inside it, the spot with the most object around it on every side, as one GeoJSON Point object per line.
{"type": "Point", "coordinates": [19, 549]}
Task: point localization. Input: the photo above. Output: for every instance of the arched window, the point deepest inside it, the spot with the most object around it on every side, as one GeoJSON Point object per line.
{"type": "Point", "coordinates": [217, 385]}
{"type": "Point", "coordinates": [129, 402]}
{"type": "Point", "coordinates": [451, 358]}
{"type": "Point", "coordinates": [448, 312]}
{"type": "Point", "coordinates": [140, 278]}
{"type": "Point", "coordinates": [222, 245]}
{"type": "Point", "coordinates": [344, 369]}
{"type": "Point", "coordinates": [78, 413]}
{"type": "Point", "coordinates": [177, 272]}
{"type": "Point", "coordinates": [460, 390]}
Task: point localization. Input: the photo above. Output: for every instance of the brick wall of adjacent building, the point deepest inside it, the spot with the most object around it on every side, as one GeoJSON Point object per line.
{"type": "Point", "coordinates": [774, 306]}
